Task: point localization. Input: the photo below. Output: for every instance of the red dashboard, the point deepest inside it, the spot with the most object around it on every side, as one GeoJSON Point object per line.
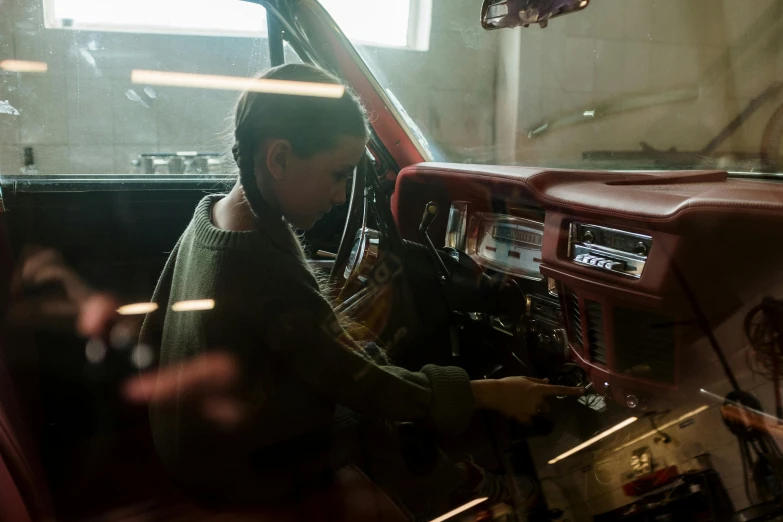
{"type": "Point", "coordinates": [715, 247]}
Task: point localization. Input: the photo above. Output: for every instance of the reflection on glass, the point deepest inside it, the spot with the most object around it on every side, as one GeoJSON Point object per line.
{"type": "Point", "coordinates": [233, 83]}
{"type": "Point", "coordinates": [137, 308]}
{"type": "Point", "coordinates": [23, 66]}
{"type": "Point", "coordinates": [194, 305]}
{"type": "Point", "coordinates": [595, 439]}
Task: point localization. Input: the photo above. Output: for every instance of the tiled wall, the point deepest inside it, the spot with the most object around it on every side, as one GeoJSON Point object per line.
{"type": "Point", "coordinates": [726, 51]}
{"type": "Point", "coordinates": [84, 115]}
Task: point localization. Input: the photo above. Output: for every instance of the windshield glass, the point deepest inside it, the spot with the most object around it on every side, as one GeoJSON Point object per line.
{"type": "Point", "coordinates": [641, 84]}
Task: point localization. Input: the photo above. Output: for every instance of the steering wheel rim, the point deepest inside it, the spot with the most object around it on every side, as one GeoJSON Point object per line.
{"type": "Point", "coordinates": [355, 221]}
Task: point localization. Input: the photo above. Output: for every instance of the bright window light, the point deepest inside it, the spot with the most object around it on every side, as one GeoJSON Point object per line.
{"type": "Point", "coordinates": [383, 22]}
{"type": "Point", "coordinates": [227, 17]}
{"type": "Point", "coordinates": [386, 23]}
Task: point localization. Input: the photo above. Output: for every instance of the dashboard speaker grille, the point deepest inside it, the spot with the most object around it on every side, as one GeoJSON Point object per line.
{"type": "Point", "coordinates": [574, 317]}
{"type": "Point", "coordinates": [595, 331]}
{"type": "Point", "coordinates": [644, 344]}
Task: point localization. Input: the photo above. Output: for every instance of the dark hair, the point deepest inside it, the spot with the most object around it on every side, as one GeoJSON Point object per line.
{"type": "Point", "coordinates": [311, 124]}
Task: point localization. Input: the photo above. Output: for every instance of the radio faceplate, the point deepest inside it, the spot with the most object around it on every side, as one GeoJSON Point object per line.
{"type": "Point", "coordinates": [608, 249]}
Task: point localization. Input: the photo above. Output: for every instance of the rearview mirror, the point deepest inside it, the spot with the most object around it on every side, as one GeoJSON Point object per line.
{"type": "Point", "coordinates": [498, 14]}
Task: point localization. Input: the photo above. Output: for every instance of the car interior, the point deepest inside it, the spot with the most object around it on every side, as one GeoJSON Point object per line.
{"type": "Point", "coordinates": [584, 191]}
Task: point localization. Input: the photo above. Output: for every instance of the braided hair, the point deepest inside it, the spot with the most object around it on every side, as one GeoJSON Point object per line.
{"type": "Point", "coordinates": [311, 124]}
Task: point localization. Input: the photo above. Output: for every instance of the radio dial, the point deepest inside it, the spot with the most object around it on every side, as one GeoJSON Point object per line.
{"type": "Point", "coordinates": [640, 249]}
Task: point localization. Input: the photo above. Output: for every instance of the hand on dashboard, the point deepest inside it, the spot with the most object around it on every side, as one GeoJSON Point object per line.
{"type": "Point", "coordinates": [519, 398]}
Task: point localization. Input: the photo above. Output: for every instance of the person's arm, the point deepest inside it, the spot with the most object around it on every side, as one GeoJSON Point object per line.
{"type": "Point", "coordinates": [304, 332]}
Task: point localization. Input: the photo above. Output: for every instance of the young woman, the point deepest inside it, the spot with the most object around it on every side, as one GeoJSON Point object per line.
{"type": "Point", "coordinates": [294, 156]}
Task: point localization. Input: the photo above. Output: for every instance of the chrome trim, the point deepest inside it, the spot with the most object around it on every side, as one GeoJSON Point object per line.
{"type": "Point", "coordinates": [608, 259]}
{"type": "Point", "coordinates": [457, 226]}
{"type": "Point", "coordinates": [551, 287]}
{"type": "Point", "coordinates": [498, 324]}
{"type": "Point", "coordinates": [636, 263]}
{"type": "Point", "coordinates": [114, 183]}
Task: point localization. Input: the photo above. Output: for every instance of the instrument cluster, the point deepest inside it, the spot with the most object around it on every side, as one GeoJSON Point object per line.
{"type": "Point", "coordinates": [504, 243]}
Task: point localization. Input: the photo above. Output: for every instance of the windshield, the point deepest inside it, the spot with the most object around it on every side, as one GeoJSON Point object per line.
{"type": "Point", "coordinates": [665, 84]}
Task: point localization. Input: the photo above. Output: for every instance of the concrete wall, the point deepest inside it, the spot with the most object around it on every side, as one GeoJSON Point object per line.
{"type": "Point", "coordinates": [726, 52]}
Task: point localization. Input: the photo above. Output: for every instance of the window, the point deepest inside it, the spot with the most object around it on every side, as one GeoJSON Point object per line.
{"type": "Point", "coordinates": [385, 23]}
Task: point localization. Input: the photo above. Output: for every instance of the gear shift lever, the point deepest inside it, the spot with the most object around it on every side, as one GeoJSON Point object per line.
{"type": "Point", "coordinates": [430, 213]}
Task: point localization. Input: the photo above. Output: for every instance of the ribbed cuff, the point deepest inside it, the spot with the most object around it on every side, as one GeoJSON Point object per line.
{"type": "Point", "coordinates": [452, 398]}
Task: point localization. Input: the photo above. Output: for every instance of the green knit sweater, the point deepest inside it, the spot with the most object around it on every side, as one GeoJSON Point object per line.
{"type": "Point", "coordinates": [297, 363]}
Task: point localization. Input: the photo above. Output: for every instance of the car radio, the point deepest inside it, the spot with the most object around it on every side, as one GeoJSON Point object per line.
{"type": "Point", "coordinates": [608, 249]}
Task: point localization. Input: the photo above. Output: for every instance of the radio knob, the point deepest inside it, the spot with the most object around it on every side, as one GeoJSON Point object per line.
{"type": "Point", "coordinates": [546, 340]}
{"type": "Point", "coordinates": [640, 249]}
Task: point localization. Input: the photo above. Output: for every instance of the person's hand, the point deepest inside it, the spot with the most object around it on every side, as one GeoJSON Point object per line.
{"type": "Point", "coordinates": [205, 383]}
{"type": "Point", "coordinates": [518, 398]}
{"type": "Point", "coordinates": [47, 293]}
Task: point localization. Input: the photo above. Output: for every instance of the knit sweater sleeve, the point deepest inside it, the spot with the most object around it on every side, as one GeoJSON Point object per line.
{"type": "Point", "coordinates": [303, 331]}
{"type": "Point", "coordinates": [152, 328]}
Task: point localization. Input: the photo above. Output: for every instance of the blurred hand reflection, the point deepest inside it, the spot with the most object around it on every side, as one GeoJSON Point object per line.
{"type": "Point", "coordinates": [46, 293]}
{"type": "Point", "coordinates": [752, 420]}
{"type": "Point", "coordinates": [206, 382]}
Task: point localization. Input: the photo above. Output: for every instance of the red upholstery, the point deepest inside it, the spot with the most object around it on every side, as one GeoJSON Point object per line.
{"type": "Point", "coordinates": [12, 506]}
{"type": "Point", "coordinates": [20, 464]}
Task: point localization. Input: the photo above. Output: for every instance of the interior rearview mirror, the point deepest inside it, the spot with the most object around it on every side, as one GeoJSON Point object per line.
{"type": "Point", "coordinates": [498, 14]}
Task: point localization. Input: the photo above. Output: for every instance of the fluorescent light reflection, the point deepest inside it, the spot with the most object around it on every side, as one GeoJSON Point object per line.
{"type": "Point", "coordinates": [460, 509]}
{"type": "Point", "coordinates": [191, 306]}
{"type": "Point", "coordinates": [738, 405]}
{"type": "Point", "coordinates": [665, 426]}
{"type": "Point", "coordinates": [137, 308]}
{"type": "Point", "coordinates": [23, 66]}
{"type": "Point", "coordinates": [237, 83]}
{"type": "Point", "coordinates": [595, 439]}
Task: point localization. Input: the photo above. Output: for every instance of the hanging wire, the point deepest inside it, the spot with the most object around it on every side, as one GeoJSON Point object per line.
{"type": "Point", "coordinates": [764, 330]}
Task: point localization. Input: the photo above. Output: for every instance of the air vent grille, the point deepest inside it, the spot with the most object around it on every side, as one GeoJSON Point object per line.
{"type": "Point", "coordinates": [644, 344]}
{"type": "Point", "coordinates": [595, 331]}
{"type": "Point", "coordinates": [574, 317]}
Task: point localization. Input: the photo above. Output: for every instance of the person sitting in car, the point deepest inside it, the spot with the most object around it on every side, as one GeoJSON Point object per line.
{"type": "Point", "coordinates": [294, 155]}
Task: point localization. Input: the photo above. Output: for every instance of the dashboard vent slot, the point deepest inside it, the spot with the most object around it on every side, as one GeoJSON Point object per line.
{"type": "Point", "coordinates": [595, 331]}
{"type": "Point", "coordinates": [644, 344]}
{"type": "Point", "coordinates": [574, 317]}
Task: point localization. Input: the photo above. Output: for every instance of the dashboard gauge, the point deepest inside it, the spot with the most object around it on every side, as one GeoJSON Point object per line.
{"type": "Point", "coordinates": [508, 244]}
